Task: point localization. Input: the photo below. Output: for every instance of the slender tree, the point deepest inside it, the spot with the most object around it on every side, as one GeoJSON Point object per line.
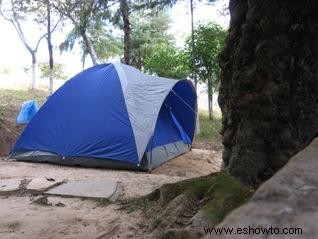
{"type": "Point", "coordinates": [122, 16]}
{"type": "Point", "coordinates": [269, 85]}
{"type": "Point", "coordinates": [193, 46]}
{"type": "Point", "coordinates": [124, 10]}
{"type": "Point", "coordinates": [84, 15]}
{"type": "Point", "coordinates": [15, 12]}
{"type": "Point", "coordinates": [208, 43]}
{"type": "Point", "coordinates": [105, 44]}
{"type": "Point", "coordinates": [197, 129]}
{"type": "Point", "coordinates": [50, 48]}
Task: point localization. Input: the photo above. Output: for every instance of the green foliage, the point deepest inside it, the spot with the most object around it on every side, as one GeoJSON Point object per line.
{"type": "Point", "coordinates": [90, 21]}
{"type": "Point", "coordinates": [209, 129]}
{"type": "Point", "coordinates": [168, 61]}
{"type": "Point", "coordinates": [209, 41]}
{"type": "Point", "coordinates": [148, 31]}
{"type": "Point", "coordinates": [105, 44]}
{"type": "Point", "coordinates": [58, 71]}
{"type": "Point", "coordinates": [30, 10]}
{"type": "Point", "coordinates": [154, 4]}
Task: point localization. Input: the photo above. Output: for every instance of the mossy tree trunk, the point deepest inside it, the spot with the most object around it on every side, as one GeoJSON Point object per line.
{"type": "Point", "coordinates": [269, 85]}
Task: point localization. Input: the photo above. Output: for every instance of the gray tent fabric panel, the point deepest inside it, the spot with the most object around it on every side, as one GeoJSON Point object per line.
{"type": "Point", "coordinates": [122, 76]}
{"type": "Point", "coordinates": [31, 154]}
{"type": "Point", "coordinates": [163, 153]}
{"type": "Point", "coordinates": [144, 95]}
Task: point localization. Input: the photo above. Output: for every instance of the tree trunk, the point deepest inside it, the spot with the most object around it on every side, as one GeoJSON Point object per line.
{"type": "Point", "coordinates": [124, 8]}
{"type": "Point", "coordinates": [193, 46]}
{"type": "Point", "coordinates": [209, 106]}
{"type": "Point", "coordinates": [197, 129]}
{"type": "Point", "coordinates": [34, 70]}
{"type": "Point", "coordinates": [49, 44]}
{"type": "Point", "coordinates": [90, 48]}
{"type": "Point", "coordinates": [269, 85]}
{"type": "Point", "coordinates": [83, 61]}
{"type": "Point", "coordinates": [210, 99]}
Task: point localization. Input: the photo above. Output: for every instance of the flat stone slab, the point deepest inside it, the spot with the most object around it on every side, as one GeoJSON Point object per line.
{"type": "Point", "coordinates": [86, 189]}
{"type": "Point", "coordinates": [9, 185]}
{"type": "Point", "coordinates": [41, 184]}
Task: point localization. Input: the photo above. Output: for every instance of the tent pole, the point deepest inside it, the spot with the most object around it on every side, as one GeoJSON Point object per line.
{"type": "Point", "coordinates": [183, 101]}
{"type": "Point", "coordinates": [152, 137]}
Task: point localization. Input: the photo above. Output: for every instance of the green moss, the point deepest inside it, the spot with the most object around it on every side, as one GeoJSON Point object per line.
{"type": "Point", "coordinates": [135, 204]}
{"type": "Point", "coordinates": [162, 216]}
{"type": "Point", "coordinates": [102, 202]}
{"type": "Point", "coordinates": [214, 195]}
{"type": "Point", "coordinates": [2, 112]}
{"type": "Point", "coordinates": [194, 188]}
{"type": "Point", "coordinates": [226, 193]}
{"type": "Point", "coordinates": [218, 194]}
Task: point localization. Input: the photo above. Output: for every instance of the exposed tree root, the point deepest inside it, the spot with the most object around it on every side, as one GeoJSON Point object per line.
{"type": "Point", "coordinates": [183, 209]}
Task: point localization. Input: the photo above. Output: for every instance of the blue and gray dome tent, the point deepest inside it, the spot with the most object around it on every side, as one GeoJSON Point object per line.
{"type": "Point", "coordinates": [112, 116]}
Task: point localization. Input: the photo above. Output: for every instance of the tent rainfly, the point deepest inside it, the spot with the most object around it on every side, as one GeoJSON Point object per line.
{"type": "Point", "coordinates": [112, 116]}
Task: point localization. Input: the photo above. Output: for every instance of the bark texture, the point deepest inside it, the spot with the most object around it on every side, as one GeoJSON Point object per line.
{"type": "Point", "coordinates": [124, 8]}
{"type": "Point", "coordinates": [34, 69]}
{"type": "Point", "coordinates": [50, 48]}
{"type": "Point", "coordinates": [197, 128]}
{"type": "Point", "coordinates": [269, 85]}
{"type": "Point", "coordinates": [89, 46]}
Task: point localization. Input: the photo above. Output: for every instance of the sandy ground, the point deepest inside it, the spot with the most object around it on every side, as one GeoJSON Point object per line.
{"type": "Point", "coordinates": [84, 218]}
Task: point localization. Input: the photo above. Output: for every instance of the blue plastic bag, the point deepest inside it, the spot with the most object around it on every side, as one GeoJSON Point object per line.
{"type": "Point", "coordinates": [28, 110]}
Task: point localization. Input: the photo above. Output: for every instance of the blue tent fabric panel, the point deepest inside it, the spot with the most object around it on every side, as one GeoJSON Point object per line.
{"type": "Point", "coordinates": [165, 131]}
{"type": "Point", "coordinates": [28, 110]}
{"type": "Point", "coordinates": [88, 117]}
{"type": "Point", "coordinates": [182, 100]}
{"type": "Point", "coordinates": [185, 138]}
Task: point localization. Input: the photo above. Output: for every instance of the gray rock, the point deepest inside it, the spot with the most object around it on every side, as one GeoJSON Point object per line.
{"type": "Point", "coordinates": [86, 189]}
{"type": "Point", "coordinates": [288, 200]}
{"type": "Point", "coordinates": [9, 185]}
{"type": "Point", "coordinates": [41, 184]}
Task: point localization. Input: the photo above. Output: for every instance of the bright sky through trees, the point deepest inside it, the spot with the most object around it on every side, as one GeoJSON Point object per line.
{"type": "Point", "coordinates": [14, 54]}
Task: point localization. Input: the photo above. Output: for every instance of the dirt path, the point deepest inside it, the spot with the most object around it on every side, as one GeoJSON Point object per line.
{"type": "Point", "coordinates": [78, 218]}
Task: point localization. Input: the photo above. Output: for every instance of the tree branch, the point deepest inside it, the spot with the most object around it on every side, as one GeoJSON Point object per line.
{"type": "Point", "coordinates": [17, 26]}
{"type": "Point", "coordinates": [44, 35]}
